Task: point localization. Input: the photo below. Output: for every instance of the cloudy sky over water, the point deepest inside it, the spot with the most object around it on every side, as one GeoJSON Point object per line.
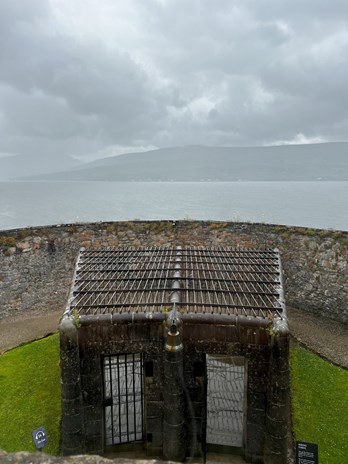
{"type": "Point", "coordinates": [103, 77]}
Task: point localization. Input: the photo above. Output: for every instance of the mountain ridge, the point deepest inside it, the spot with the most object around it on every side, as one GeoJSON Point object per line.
{"type": "Point", "coordinates": [327, 161]}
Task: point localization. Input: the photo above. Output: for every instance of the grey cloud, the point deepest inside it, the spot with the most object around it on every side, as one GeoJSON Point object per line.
{"type": "Point", "coordinates": [299, 12]}
{"type": "Point", "coordinates": [62, 89]}
{"type": "Point", "coordinates": [247, 72]}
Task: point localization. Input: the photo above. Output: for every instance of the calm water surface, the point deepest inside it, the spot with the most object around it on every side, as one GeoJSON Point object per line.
{"type": "Point", "coordinates": [310, 204]}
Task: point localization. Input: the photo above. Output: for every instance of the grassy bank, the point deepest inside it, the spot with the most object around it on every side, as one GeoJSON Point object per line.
{"type": "Point", "coordinates": [30, 395]}
{"type": "Point", "coordinates": [320, 405]}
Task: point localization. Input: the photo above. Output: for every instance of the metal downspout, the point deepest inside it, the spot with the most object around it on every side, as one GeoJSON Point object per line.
{"type": "Point", "coordinates": [174, 445]}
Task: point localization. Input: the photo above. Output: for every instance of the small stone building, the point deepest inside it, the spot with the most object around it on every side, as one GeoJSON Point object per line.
{"type": "Point", "coordinates": [177, 352]}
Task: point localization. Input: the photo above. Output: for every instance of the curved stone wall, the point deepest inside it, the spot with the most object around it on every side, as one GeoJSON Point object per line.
{"type": "Point", "coordinates": [37, 263]}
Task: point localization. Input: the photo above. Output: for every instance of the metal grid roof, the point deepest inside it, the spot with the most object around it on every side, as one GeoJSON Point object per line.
{"type": "Point", "coordinates": [214, 280]}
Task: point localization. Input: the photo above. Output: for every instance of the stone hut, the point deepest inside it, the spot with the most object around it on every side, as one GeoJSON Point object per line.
{"type": "Point", "coordinates": [176, 351]}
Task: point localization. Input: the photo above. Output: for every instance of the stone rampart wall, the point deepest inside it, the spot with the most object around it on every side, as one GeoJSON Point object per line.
{"type": "Point", "coordinates": [37, 264]}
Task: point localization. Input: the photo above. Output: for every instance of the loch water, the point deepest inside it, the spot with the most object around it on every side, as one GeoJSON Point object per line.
{"type": "Point", "coordinates": [307, 204]}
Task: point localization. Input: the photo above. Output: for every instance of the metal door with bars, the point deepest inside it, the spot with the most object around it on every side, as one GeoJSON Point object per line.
{"type": "Point", "coordinates": [225, 400]}
{"type": "Point", "coordinates": [123, 398]}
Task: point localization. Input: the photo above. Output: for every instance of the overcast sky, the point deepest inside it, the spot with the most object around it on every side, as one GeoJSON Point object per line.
{"type": "Point", "coordinates": [102, 77]}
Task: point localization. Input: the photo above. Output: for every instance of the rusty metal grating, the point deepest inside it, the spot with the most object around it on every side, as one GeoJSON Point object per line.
{"type": "Point", "coordinates": [214, 280]}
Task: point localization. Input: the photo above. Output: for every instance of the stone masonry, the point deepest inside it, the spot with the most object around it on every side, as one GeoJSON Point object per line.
{"type": "Point", "coordinates": [37, 263]}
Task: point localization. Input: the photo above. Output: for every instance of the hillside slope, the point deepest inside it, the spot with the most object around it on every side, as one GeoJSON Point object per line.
{"type": "Point", "coordinates": [327, 161]}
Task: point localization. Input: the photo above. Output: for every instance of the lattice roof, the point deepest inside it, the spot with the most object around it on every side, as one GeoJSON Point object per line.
{"type": "Point", "coordinates": [214, 280]}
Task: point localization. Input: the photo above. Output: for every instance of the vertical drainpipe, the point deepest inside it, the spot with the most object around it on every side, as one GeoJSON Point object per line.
{"type": "Point", "coordinates": [174, 446]}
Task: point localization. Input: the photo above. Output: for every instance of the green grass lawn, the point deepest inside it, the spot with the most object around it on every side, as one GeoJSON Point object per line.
{"type": "Point", "coordinates": [320, 405]}
{"type": "Point", "coordinates": [30, 395]}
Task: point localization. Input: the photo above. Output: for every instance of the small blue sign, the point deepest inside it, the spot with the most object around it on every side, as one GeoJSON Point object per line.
{"type": "Point", "coordinates": [40, 437]}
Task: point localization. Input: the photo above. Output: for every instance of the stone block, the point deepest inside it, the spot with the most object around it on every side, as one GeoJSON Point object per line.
{"type": "Point", "coordinates": [94, 430]}
{"type": "Point", "coordinates": [255, 438]}
{"type": "Point", "coordinates": [72, 406]}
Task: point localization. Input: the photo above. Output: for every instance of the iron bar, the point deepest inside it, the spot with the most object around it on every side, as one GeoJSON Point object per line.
{"type": "Point", "coordinates": [168, 289]}
{"type": "Point", "coordinates": [182, 304]}
{"type": "Point", "coordinates": [142, 402]}
{"type": "Point", "coordinates": [126, 382]}
{"type": "Point", "coordinates": [119, 398]}
{"type": "Point", "coordinates": [199, 318]}
{"type": "Point", "coordinates": [111, 405]}
{"type": "Point", "coordinates": [134, 408]}
{"type": "Point", "coordinates": [270, 269]}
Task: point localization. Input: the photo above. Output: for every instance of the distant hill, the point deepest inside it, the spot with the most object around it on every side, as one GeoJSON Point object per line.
{"type": "Point", "coordinates": [16, 166]}
{"type": "Point", "coordinates": [327, 161]}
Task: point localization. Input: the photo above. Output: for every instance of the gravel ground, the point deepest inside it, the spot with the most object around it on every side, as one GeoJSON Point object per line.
{"type": "Point", "coordinates": [323, 336]}
{"type": "Point", "coordinates": [20, 329]}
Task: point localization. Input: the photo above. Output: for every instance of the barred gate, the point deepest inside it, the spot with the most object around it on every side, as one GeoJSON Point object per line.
{"type": "Point", "coordinates": [225, 400]}
{"type": "Point", "coordinates": [123, 398]}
